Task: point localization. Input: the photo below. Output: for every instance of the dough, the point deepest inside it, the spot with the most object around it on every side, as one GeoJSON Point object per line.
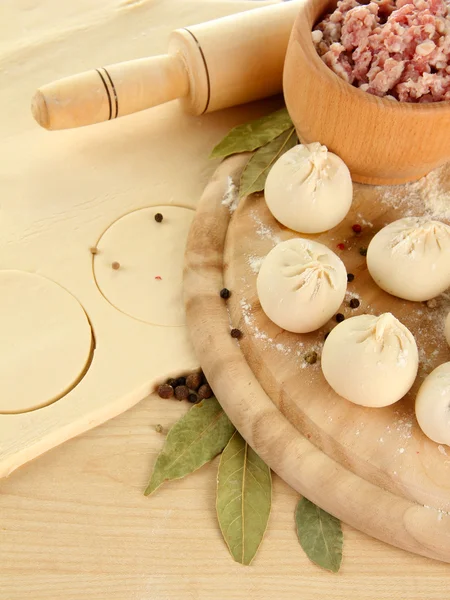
{"type": "Point", "coordinates": [433, 405]}
{"type": "Point", "coordinates": [447, 329]}
{"type": "Point", "coordinates": [45, 341]}
{"type": "Point", "coordinates": [147, 284]}
{"type": "Point", "coordinates": [309, 189]}
{"type": "Point", "coordinates": [410, 258]}
{"type": "Point", "coordinates": [301, 284]}
{"type": "Point", "coordinates": [61, 190]}
{"type": "Point", "coordinates": [371, 361]}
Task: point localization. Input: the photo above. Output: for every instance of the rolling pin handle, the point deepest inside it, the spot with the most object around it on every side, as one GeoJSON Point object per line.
{"type": "Point", "coordinates": [110, 92]}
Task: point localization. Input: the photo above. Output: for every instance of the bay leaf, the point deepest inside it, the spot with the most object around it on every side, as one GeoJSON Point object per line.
{"type": "Point", "coordinates": [320, 535]}
{"type": "Point", "coordinates": [253, 178]}
{"type": "Point", "coordinates": [200, 435]}
{"type": "Point", "coordinates": [244, 490]}
{"type": "Point", "coordinates": [253, 135]}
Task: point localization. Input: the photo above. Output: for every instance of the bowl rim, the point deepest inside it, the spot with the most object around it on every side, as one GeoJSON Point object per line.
{"type": "Point", "coordinates": [418, 107]}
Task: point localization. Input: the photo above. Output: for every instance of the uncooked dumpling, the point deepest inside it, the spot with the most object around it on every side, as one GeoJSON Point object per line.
{"type": "Point", "coordinates": [433, 405]}
{"type": "Point", "coordinates": [410, 258]}
{"type": "Point", "coordinates": [301, 284]}
{"type": "Point", "coordinates": [309, 189]}
{"type": "Point", "coordinates": [371, 361]}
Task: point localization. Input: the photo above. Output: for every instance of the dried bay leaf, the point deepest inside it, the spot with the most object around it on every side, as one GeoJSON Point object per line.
{"type": "Point", "coordinates": [254, 176]}
{"type": "Point", "coordinates": [244, 490]}
{"type": "Point", "coordinates": [253, 135]}
{"type": "Point", "coordinates": [319, 534]}
{"type": "Point", "coordinates": [194, 440]}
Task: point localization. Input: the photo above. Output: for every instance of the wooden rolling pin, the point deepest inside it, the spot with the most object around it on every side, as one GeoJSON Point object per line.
{"type": "Point", "coordinates": [214, 65]}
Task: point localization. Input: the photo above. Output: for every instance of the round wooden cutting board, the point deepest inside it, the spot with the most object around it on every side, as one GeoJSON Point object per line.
{"type": "Point", "coordinates": [372, 468]}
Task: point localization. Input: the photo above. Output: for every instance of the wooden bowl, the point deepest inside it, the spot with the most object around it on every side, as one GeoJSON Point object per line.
{"type": "Point", "coordinates": [382, 141]}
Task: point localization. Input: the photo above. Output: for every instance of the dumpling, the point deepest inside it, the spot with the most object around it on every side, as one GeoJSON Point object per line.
{"type": "Point", "coordinates": [410, 258]}
{"type": "Point", "coordinates": [432, 405]}
{"type": "Point", "coordinates": [371, 361]}
{"type": "Point", "coordinates": [301, 284]}
{"type": "Point", "coordinates": [309, 189]}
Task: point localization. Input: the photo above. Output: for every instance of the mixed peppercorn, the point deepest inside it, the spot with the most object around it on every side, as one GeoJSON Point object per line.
{"type": "Point", "coordinates": [193, 388]}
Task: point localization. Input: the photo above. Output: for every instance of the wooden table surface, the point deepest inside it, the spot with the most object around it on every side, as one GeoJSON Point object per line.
{"type": "Point", "coordinates": [75, 523]}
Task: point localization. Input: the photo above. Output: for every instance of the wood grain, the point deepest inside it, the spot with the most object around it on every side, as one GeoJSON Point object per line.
{"type": "Point", "coordinates": [381, 141]}
{"type": "Point", "coordinates": [330, 450]}
{"type": "Point", "coordinates": [75, 525]}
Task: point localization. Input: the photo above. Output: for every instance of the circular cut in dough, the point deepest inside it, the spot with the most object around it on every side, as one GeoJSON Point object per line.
{"type": "Point", "coordinates": [147, 281]}
{"type": "Point", "coordinates": [371, 361]}
{"type": "Point", "coordinates": [309, 189]}
{"type": "Point", "coordinates": [301, 284]}
{"type": "Point", "coordinates": [447, 329]}
{"type": "Point", "coordinates": [433, 405]}
{"type": "Point", "coordinates": [410, 258]}
{"type": "Point", "coordinates": [45, 341]}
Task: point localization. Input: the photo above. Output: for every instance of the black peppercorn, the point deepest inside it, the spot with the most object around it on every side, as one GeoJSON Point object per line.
{"type": "Point", "coordinates": [158, 217]}
{"type": "Point", "coordinates": [225, 294]}
{"type": "Point", "coordinates": [354, 303]}
{"type": "Point", "coordinates": [205, 392]}
{"type": "Point", "coordinates": [339, 318]}
{"type": "Point", "coordinates": [236, 334]}
{"type": "Point", "coordinates": [165, 391]}
{"type": "Point", "coordinates": [350, 277]}
{"type": "Point", "coordinates": [181, 392]}
{"type": "Point", "coordinates": [180, 381]}
{"type": "Point", "coordinates": [363, 251]}
{"type": "Point", "coordinates": [172, 382]}
{"type": "Point", "coordinates": [194, 381]}
{"type": "Point", "coordinates": [192, 398]}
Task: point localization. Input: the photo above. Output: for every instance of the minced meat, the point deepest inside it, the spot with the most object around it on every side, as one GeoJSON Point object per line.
{"type": "Point", "coordinates": [394, 48]}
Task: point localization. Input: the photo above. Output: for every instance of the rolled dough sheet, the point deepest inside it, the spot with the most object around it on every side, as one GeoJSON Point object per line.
{"type": "Point", "coordinates": [62, 190]}
{"type": "Point", "coordinates": [139, 264]}
{"type": "Point", "coordinates": [45, 341]}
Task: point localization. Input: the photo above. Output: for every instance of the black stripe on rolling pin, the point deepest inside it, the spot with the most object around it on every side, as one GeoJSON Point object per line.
{"type": "Point", "coordinates": [116, 99]}
{"type": "Point", "coordinates": [107, 93]}
{"type": "Point", "coordinates": [208, 81]}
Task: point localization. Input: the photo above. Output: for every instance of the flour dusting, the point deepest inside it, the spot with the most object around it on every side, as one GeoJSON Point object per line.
{"type": "Point", "coordinates": [430, 193]}
{"type": "Point", "coordinates": [263, 231]}
{"type": "Point", "coordinates": [255, 262]}
{"type": "Point", "coordinates": [231, 197]}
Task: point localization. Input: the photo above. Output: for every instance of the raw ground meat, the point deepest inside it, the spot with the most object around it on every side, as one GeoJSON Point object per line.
{"type": "Point", "coordinates": [394, 48]}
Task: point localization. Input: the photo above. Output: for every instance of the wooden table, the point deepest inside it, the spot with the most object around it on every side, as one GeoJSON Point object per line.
{"type": "Point", "coordinates": [75, 523]}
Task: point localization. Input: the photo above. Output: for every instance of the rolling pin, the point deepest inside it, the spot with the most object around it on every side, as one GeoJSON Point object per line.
{"type": "Point", "coordinates": [214, 65]}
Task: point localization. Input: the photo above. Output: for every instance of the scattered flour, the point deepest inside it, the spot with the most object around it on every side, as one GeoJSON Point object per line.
{"type": "Point", "coordinates": [231, 197]}
{"type": "Point", "coordinates": [362, 221]}
{"type": "Point", "coordinates": [401, 427]}
{"type": "Point", "coordinates": [263, 231]}
{"type": "Point", "coordinates": [430, 195]}
{"type": "Point", "coordinates": [255, 262]}
{"type": "Point", "coordinates": [298, 351]}
{"type": "Point", "coordinates": [350, 295]}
